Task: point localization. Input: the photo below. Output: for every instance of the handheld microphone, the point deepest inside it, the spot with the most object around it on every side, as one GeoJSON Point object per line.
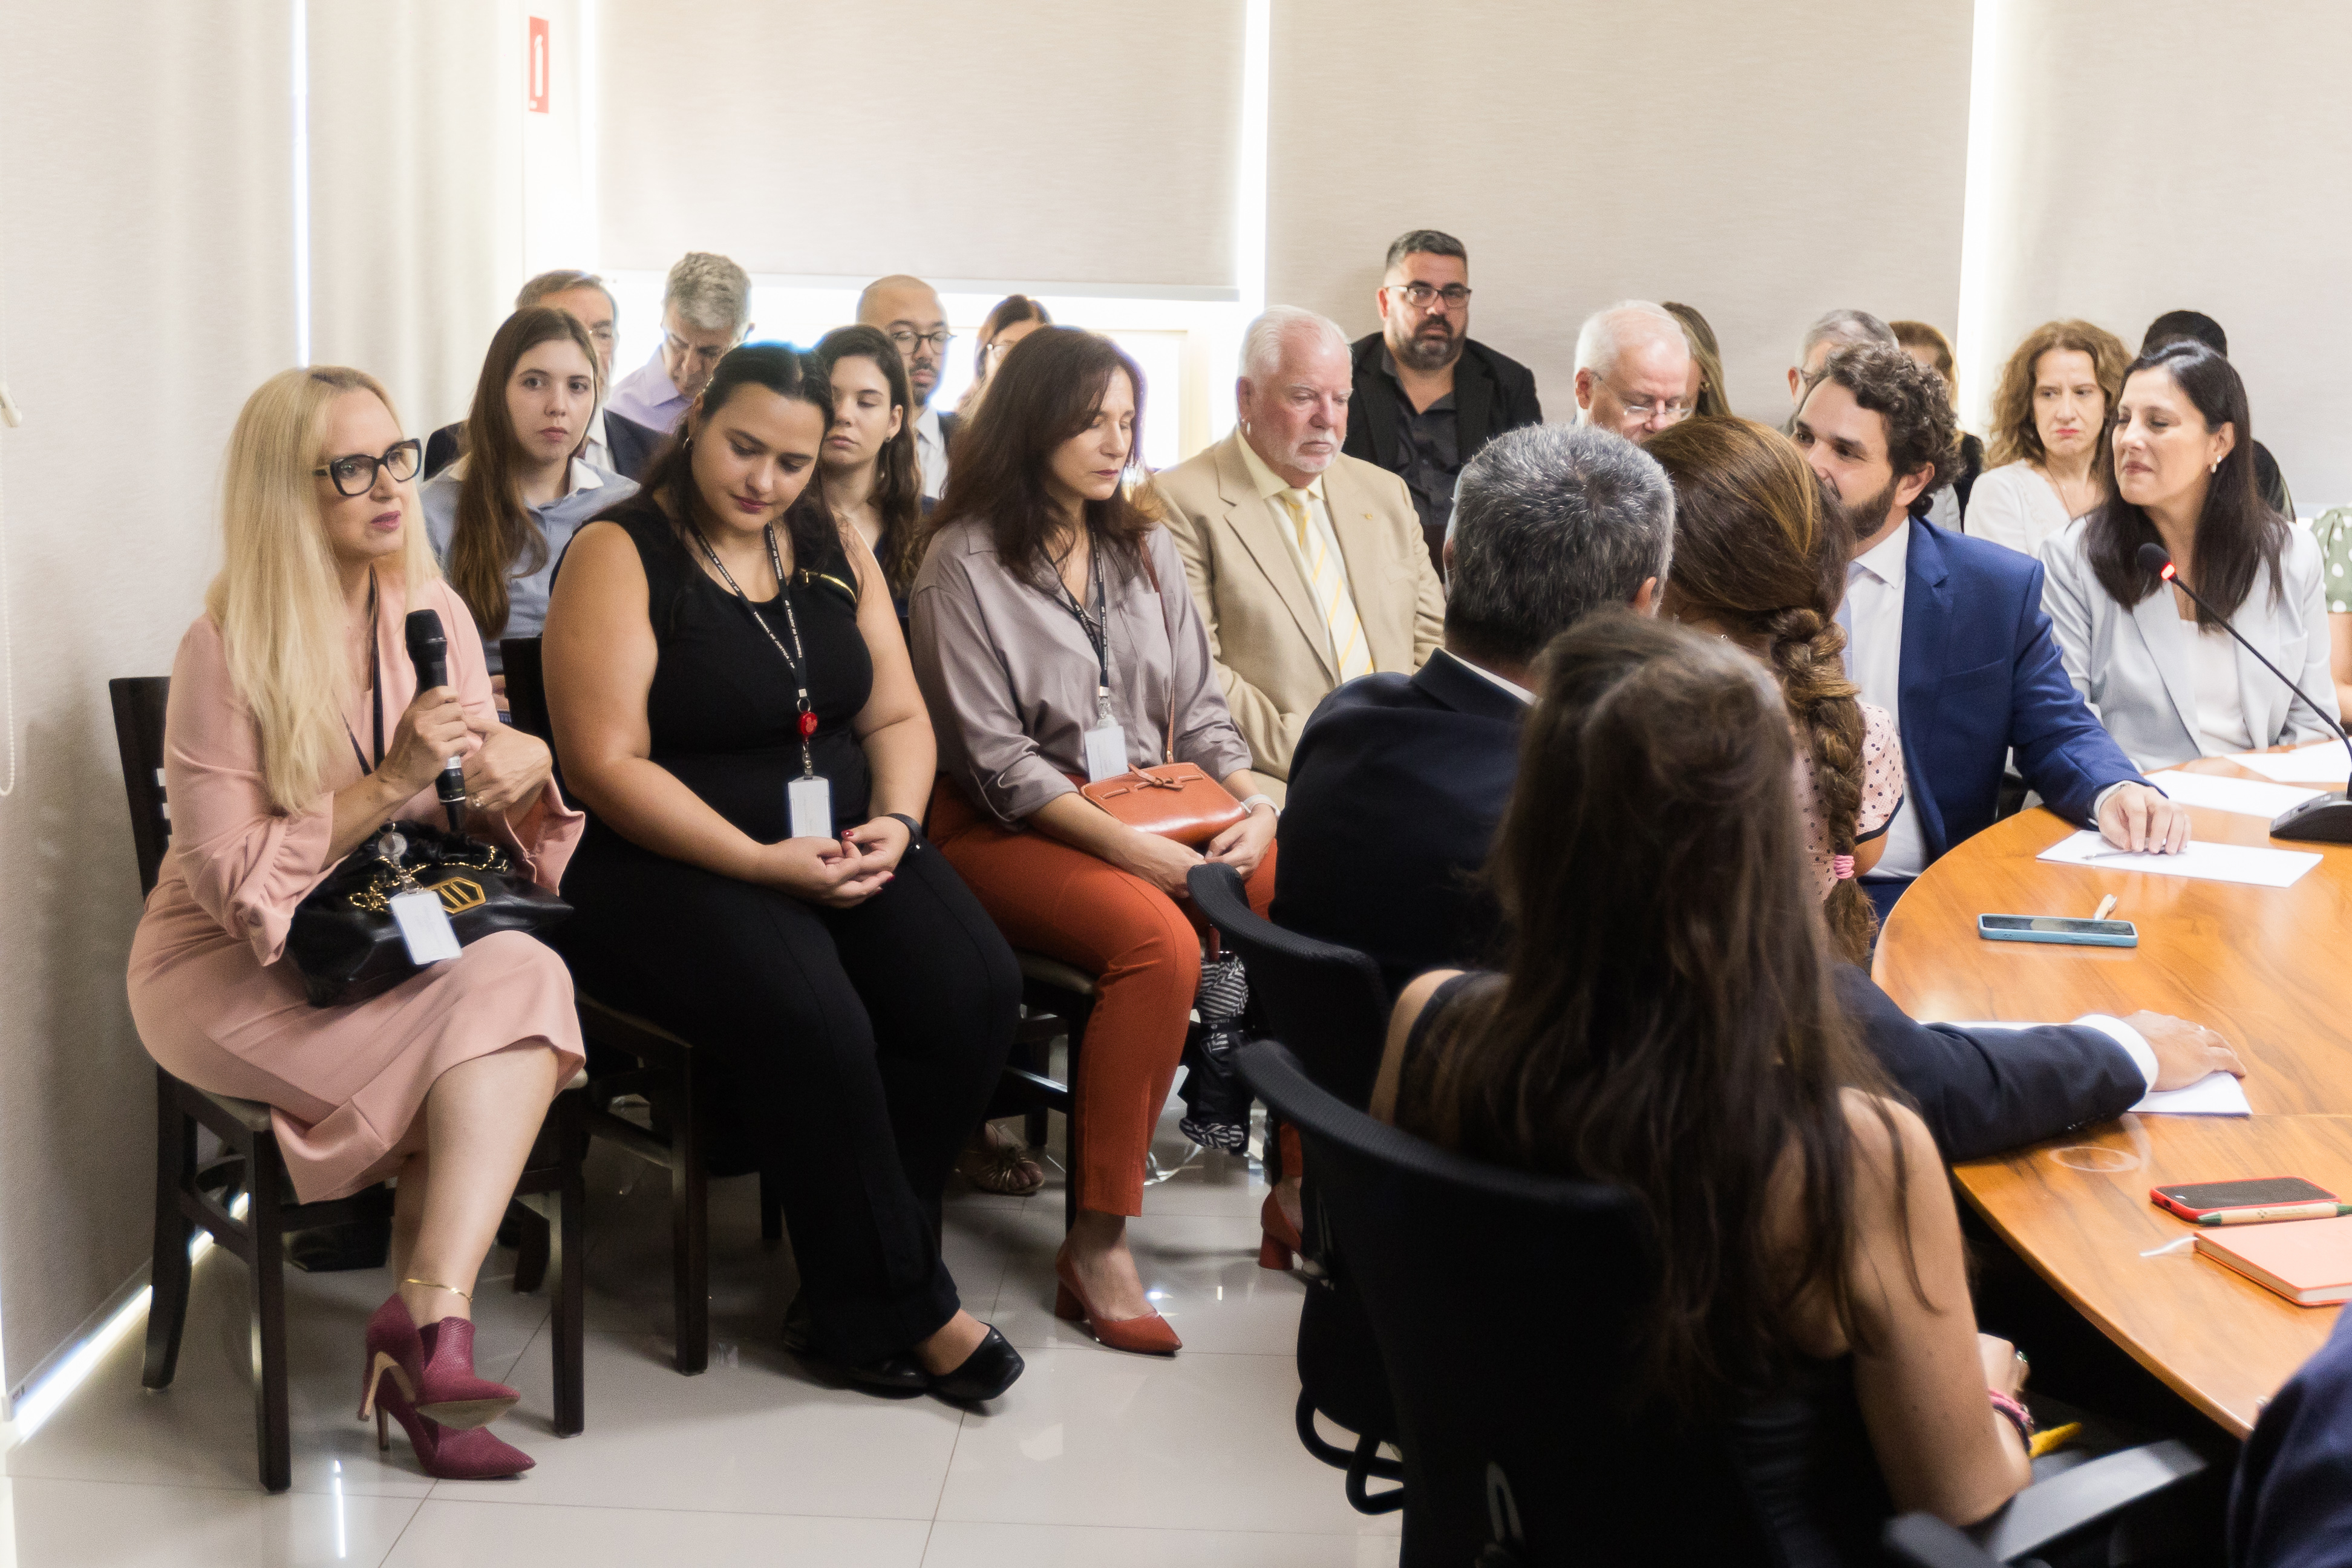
{"type": "Point", "coordinates": [428, 651]}
{"type": "Point", "coordinates": [2324, 819]}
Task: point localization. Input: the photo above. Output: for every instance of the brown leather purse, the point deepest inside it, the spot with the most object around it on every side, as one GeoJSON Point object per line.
{"type": "Point", "coordinates": [1173, 800]}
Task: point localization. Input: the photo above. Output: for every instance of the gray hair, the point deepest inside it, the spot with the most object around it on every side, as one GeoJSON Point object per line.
{"type": "Point", "coordinates": [1845, 328]}
{"type": "Point", "coordinates": [1602, 341]}
{"type": "Point", "coordinates": [1262, 339]}
{"type": "Point", "coordinates": [712, 293]}
{"type": "Point", "coordinates": [1424, 242]}
{"type": "Point", "coordinates": [1552, 521]}
{"type": "Point", "coordinates": [562, 280]}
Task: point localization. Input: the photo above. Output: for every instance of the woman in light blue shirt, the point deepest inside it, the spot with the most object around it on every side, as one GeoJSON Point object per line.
{"type": "Point", "coordinates": [501, 516]}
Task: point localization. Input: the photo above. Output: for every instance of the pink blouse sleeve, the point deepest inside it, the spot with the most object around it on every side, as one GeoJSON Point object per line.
{"type": "Point", "coordinates": [247, 864]}
{"type": "Point", "coordinates": [1882, 774]}
{"type": "Point", "coordinates": [542, 837]}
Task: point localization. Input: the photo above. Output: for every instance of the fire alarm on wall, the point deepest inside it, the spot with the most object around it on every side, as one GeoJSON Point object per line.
{"type": "Point", "coordinates": [536, 91]}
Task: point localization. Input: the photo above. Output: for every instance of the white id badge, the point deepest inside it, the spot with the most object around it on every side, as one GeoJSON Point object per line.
{"type": "Point", "coordinates": [810, 802]}
{"type": "Point", "coordinates": [1106, 751]}
{"type": "Point", "coordinates": [424, 927]}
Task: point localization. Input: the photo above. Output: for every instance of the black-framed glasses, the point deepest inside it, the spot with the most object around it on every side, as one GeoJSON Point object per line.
{"type": "Point", "coordinates": [355, 475]}
{"type": "Point", "coordinates": [907, 341]}
{"type": "Point", "coordinates": [1420, 296]}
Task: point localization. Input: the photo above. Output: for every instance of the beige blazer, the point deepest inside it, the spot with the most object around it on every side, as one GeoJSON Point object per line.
{"type": "Point", "coordinates": [1267, 637]}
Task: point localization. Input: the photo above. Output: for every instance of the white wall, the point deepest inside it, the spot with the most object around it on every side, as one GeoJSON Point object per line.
{"type": "Point", "coordinates": [146, 287]}
{"type": "Point", "coordinates": [1763, 163]}
{"type": "Point", "coordinates": [2138, 156]}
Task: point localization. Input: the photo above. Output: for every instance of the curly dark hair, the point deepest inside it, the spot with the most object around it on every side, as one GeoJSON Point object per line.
{"type": "Point", "coordinates": [1913, 403]}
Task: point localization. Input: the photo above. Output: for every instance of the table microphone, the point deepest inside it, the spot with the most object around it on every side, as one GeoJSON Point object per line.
{"type": "Point", "coordinates": [2324, 819]}
{"type": "Point", "coordinates": [428, 652]}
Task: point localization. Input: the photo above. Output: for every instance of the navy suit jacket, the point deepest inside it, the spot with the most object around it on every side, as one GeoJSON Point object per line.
{"type": "Point", "coordinates": [1981, 675]}
{"type": "Point", "coordinates": [631, 445]}
{"type": "Point", "coordinates": [2291, 1505]}
{"type": "Point", "coordinates": [1396, 789]}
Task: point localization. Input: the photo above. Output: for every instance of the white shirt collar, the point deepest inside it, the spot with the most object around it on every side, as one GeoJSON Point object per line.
{"type": "Point", "coordinates": [1889, 558]}
{"type": "Point", "coordinates": [1513, 687]}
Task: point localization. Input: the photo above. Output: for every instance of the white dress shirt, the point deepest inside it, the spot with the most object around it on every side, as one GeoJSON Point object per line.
{"type": "Point", "coordinates": [1513, 687]}
{"type": "Point", "coordinates": [2221, 728]}
{"type": "Point", "coordinates": [1873, 617]}
{"type": "Point", "coordinates": [1318, 517]}
{"type": "Point", "coordinates": [931, 448]}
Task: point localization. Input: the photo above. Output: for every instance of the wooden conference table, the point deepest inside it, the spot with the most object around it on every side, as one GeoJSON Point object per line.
{"type": "Point", "coordinates": [2271, 968]}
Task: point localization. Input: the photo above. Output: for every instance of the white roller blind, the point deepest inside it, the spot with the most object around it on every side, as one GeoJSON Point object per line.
{"type": "Point", "coordinates": [1763, 163]}
{"type": "Point", "coordinates": [416, 206]}
{"type": "Point", "coordinates": [1089, 141]}
{"type": "Point", "coordinates": [2158, 154]}
{"type": "Point", "coordinates": [146, 288]}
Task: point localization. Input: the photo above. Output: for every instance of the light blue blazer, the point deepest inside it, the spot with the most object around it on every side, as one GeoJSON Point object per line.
{"type": "Point", "coordinates": [2135, 667]}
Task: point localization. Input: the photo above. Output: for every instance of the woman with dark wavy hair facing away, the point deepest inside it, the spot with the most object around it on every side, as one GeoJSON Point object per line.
{"type": "Point", "coordinates": [1666, 1024]}
{"type": "Point", "coordinates": [1761, 561]}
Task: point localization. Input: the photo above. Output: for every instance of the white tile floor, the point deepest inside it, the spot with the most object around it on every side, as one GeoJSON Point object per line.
{"type": "Point", "coordinates": [1094, 1458]}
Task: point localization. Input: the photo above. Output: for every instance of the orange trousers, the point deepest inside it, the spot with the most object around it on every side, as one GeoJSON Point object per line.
{"type": "Point", "coordinates": [1143, 949]}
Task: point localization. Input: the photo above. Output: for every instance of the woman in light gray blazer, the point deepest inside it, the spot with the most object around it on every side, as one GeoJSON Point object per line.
{"type": "Point", "coordinates": [2164, 678]}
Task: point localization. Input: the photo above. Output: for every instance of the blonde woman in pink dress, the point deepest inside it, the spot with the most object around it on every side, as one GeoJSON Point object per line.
{"type": "Point", "coordinates": [294, 731]}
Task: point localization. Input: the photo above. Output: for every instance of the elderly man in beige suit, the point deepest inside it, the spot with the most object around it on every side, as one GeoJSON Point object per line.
{"type": "Point", "coordinates": [1308, 565]}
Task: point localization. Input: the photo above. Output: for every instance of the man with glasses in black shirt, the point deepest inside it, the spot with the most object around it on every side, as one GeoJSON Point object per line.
{"type": "Point", "coordinates": [909, 312]}
{"type": "Point", "coordinates": [1426, 396]}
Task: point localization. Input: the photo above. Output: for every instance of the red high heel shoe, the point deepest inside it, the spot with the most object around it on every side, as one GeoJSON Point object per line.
{"type": "Point", "coordinates": [444, 1453]}
{"type": "Point", "coordinates": [432, 1367]}
{"type": "Point", "coordinates": [1281, 1245]}
{"type": "Point", "coordinates": [1147, 1335]}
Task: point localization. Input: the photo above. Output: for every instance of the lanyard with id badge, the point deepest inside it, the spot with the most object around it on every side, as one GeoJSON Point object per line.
{"type": "Point", "coordinates": [808, 799]}
{"type": "Point", "coordinates": [425, 928]}
{"type": "Point", "coordinates": [1106, 743]}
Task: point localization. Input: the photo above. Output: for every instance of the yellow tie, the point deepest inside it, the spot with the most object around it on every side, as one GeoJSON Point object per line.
{"type": "Point", "coordinates": [1349, 654]}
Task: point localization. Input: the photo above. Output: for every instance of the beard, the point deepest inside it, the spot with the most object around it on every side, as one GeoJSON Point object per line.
{"type": "Point", "coordinates": [1865, 517]}
{"type": "Point", "coordinates": [1432, 345]}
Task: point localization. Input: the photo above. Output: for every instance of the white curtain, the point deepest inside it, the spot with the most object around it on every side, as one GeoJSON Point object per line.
{"type": "Point", "coordinates": [1763, 163]}
{"type": "Point", "coordinates": [2159, 155]}
{"type": "Point", "coordinates": [1090, 142]}
{"type": "Point", "coordinates": [146, 287]}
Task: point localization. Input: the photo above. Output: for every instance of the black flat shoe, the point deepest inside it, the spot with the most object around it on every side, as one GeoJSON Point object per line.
{"type": "Point", "coordinates": [900, 1376]}
{"type": "Point", "coordinates": [991, 1368]}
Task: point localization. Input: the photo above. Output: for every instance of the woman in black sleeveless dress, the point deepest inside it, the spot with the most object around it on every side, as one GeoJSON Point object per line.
{"type": "Point", "coordinates": [754, 763]}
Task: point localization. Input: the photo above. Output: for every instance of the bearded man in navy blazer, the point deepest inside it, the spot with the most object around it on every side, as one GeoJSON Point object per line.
{"type": "Point", "coordinates": [1947, 632]}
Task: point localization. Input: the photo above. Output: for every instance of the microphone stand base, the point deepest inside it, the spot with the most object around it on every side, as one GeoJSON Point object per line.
{"type": "Point", "coordinates": [2324, 819]}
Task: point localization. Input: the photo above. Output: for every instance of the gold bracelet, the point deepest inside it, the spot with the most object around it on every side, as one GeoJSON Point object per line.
{"type": "Point", "coordinates": [436, 1285]}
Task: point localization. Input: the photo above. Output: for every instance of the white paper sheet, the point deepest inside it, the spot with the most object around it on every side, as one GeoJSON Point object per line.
{"type": "Point", "coordinates": [2245, 797]}
{"type": "Point", "coordinates": [2215, 1094]}
{"type": "Point", "coordinates": [2325, 763]}
{"type": "Point", "coordinates": [2205, 862]}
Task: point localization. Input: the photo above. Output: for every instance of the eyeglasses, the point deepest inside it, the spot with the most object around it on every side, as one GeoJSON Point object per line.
{"type": "Point", "coordinates": [1421, 294]}
{"type": "Point", "coordinates": [1672, 410]}
{"type": "Point", "coordinates": [355, 475]}
{"type": "Point", "coordinates": [909, 341]}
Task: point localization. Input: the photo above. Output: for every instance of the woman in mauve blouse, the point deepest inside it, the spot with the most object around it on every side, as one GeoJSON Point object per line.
{"type": "Point", "coordinates": [1041, 585]}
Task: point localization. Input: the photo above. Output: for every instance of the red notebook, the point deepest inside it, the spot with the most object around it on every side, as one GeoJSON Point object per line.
{"type": "Point", "coordinates": [2307, 1261]}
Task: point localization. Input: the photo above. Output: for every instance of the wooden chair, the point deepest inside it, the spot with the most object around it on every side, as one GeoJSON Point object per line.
{"type": "Point", "coordinates": [629, 1056]}
{"type": "Point", "coordinates": [272, 1211]}
{"type": "Point", "coordinates": [1056, 1000]}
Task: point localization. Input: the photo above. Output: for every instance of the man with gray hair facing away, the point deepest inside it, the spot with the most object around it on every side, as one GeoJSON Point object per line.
{"type": "Point", "coordinates": [1308, 565]}
{"type": "Point", "coordinates": [1398, 782]}
{"type": "Point", "coordinates": [1632, 365]}
{"type": "Point", "coordinates": [706, 311]}
{"type": "Point", "coordinates": [1428, 395]}
{"type": "Point", "coordinates": [1835, 330]}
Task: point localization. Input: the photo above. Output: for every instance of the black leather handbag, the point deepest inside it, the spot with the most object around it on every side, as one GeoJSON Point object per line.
{"type": "Point", "coordinates": [344, 940]}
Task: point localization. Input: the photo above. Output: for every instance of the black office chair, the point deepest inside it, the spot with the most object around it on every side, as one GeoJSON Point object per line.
{"type": "Point", "coordinates": [272, 1212]}
{"type": "Point", "coordinates": [1505, 1305]}
{"type": "Point", "coordinates": [1326, 1003]}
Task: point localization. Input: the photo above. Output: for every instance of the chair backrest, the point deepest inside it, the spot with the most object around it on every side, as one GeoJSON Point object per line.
{"type": "Point", "coordinates": [1328, 1003]}
{"type": "Point", "coordinates": [1505, 1305]}
{"type": "Point", "coordinates": [526, 686]}
{"type": "Point", "coordinates": [138, 704]}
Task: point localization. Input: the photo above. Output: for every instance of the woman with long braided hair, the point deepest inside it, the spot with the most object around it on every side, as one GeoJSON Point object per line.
{"type": "Point", "coordinates": [1761, 561]}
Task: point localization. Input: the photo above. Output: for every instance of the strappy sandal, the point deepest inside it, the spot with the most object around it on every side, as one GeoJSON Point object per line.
{"type": "Point", "coordinates": [1005, 1166]}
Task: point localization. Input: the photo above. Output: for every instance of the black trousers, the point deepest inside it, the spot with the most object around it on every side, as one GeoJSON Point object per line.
{"type": "Point", "coordinates": [853, 1053]}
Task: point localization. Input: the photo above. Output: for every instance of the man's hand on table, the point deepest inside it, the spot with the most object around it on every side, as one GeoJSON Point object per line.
{"type": "Point", "coordinates": [2185, 1052]}
{"type": "Point", "coordinates": [2138, 816]}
